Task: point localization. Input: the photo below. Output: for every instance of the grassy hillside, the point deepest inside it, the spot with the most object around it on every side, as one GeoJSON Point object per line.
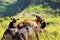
{"type": "Point", "coordinates": [45, 9]}
{"type": "Point", "coordinates": [47, 13]}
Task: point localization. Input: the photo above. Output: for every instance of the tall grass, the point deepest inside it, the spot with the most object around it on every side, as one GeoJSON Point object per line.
{"type": "Point", "coordinates": [51, 32]}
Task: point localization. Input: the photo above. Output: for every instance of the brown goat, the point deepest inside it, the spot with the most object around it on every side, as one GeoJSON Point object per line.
{"type": "Point", "coordinates": [38, 21]}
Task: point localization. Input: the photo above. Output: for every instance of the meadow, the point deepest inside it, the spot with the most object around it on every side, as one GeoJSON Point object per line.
{"type": "Point", "coordinates": [46, 12]}
{"type": "Point", "coordinates": [53, 29]}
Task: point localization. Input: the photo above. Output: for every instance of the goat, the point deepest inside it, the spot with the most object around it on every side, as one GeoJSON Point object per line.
{"type": "Point", "coordinates": [38, 21]}
{"type": "Point", "coordinates": [12, 24]}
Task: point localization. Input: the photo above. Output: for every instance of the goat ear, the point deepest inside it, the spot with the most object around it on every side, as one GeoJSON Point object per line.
{"type": "Point", "coordinates": [18, 19]}
{"type": "Point", "coordinates": [11, 18]}
{"type": "Point", "coordinates": [36, 16]}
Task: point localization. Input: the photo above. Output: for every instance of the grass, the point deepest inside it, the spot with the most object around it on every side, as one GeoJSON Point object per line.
{"type": "Point", "coordinates": [52, 31]}
{"type": "Point", "coordinates": [2, 8]}
{"type": "Point", "coordinates": [10, 1]}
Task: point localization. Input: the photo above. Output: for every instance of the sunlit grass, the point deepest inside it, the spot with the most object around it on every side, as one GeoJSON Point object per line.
{"type": "Point", "coordinates": [52, 30]}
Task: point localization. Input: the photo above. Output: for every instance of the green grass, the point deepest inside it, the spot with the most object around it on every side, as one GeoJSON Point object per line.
{"type": "Point", "coordinates": [52, 31]}
{"type": "Point", "coordinates": [9, 1]}
{"type": "Point", "coordinates": [2, 8]}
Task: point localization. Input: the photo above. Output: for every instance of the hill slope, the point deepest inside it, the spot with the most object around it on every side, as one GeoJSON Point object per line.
{"type": "Point", "coordinates": [24, 11]}
{"type": "Point", "coordinates": [12, 7]}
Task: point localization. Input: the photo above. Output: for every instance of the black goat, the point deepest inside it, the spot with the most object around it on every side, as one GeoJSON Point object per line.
{"type": "Point", "coordinates": [12, 24]}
